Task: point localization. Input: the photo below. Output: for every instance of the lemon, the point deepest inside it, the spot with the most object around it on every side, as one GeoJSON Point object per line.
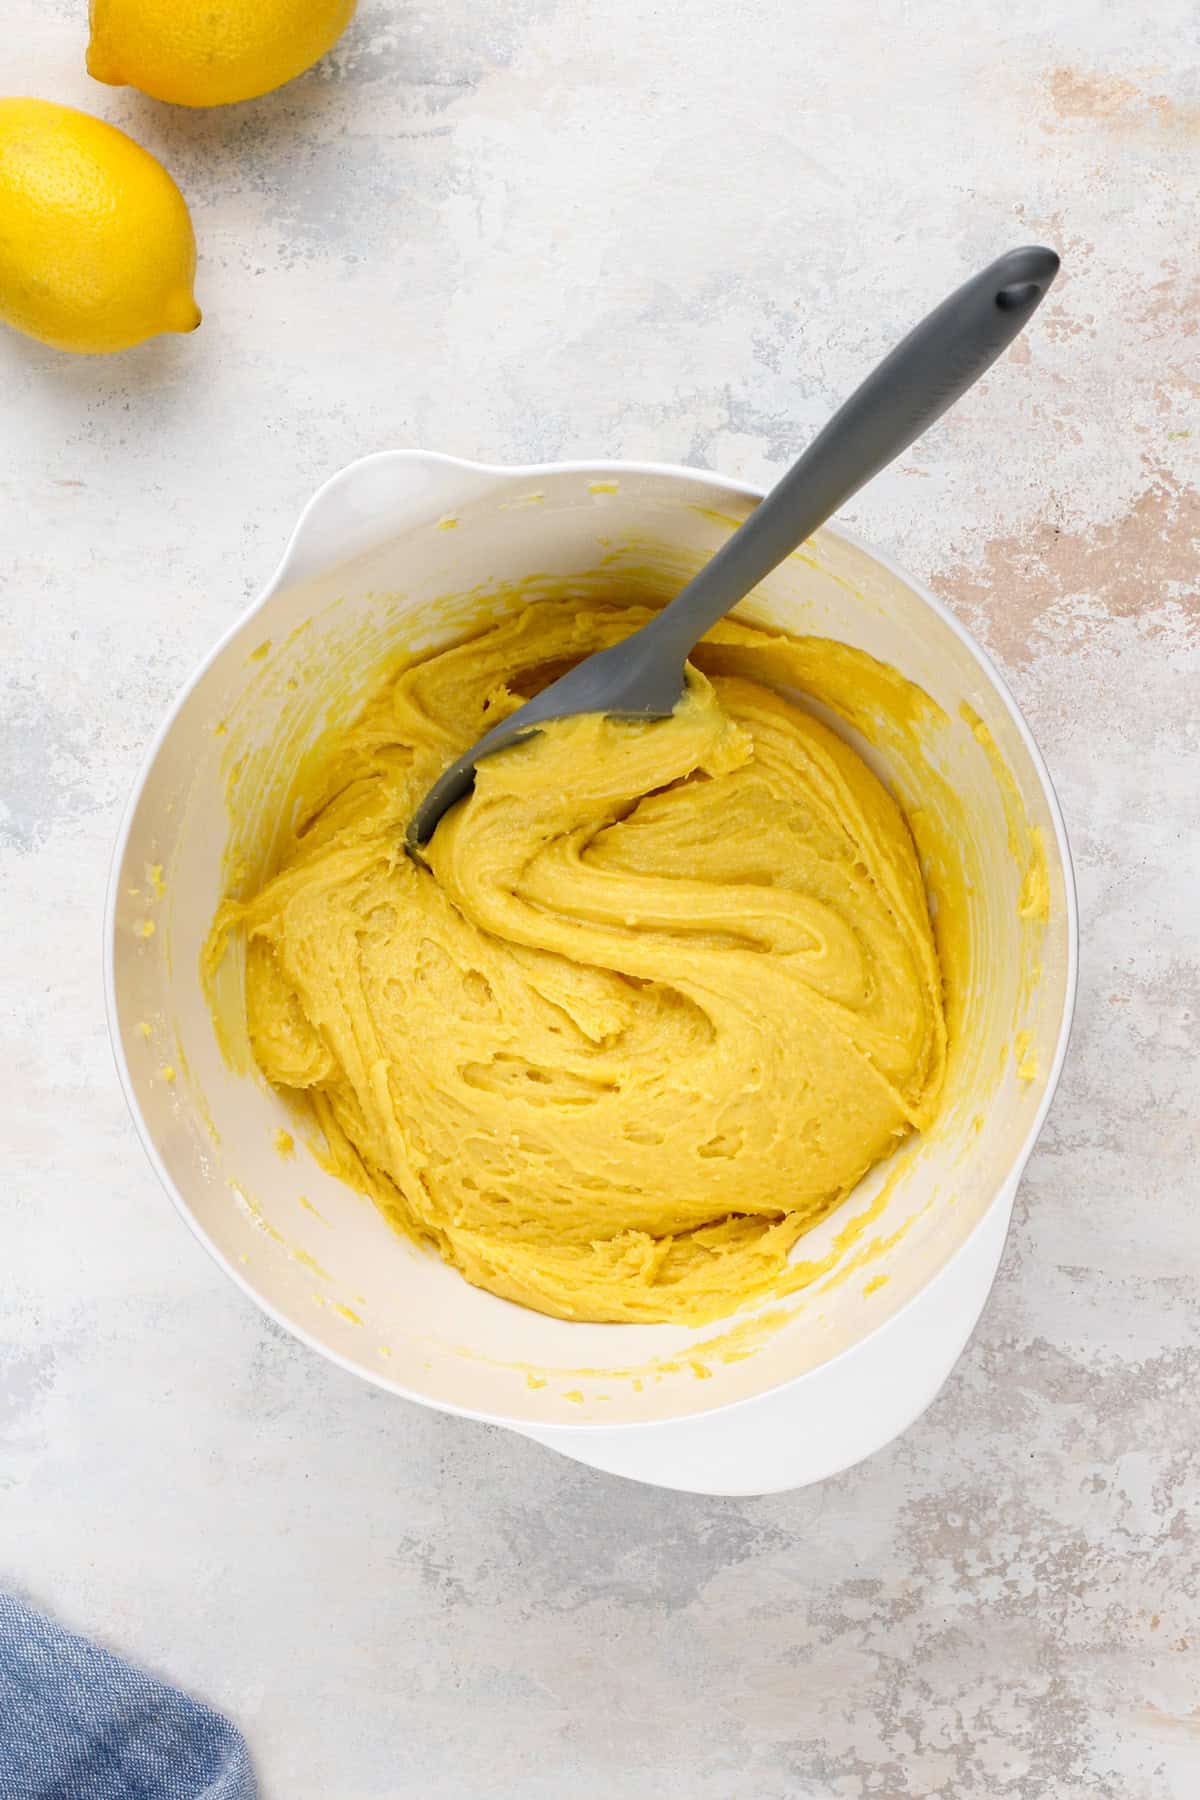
{"type": "Point", "coordinates": [210, 52]}
{"type": "Point", "coordinates": [96, 244]}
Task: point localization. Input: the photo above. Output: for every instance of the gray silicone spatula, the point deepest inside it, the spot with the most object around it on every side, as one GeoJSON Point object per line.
{"type": "Point", "coordinates": [642, 677]}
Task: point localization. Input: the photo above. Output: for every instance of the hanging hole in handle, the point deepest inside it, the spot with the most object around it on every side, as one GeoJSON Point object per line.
{"type": "Point", "coordinates": [1012, 299]}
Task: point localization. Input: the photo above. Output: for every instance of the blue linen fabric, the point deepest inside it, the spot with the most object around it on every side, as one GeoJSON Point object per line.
{"type": "Point", "coordinates": [77, 1723]}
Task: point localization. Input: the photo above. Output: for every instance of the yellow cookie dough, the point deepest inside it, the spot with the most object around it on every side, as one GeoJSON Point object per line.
{"type": "Point", "coordinates": [664, 993]}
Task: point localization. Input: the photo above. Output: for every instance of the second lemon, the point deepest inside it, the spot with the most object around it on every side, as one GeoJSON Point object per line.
{"type": "Point", "coordinates": [210, 52]}
{"type": "Point", "coordinates": [96, 245]}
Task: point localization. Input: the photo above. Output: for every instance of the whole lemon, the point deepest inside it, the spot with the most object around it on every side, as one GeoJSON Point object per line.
{"type": "Point", "coordinates": [210, 52]}
{"type": "Point", "coordinates": [96, 244]}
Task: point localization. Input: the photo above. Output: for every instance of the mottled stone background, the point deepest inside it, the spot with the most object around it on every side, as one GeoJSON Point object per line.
{"type": "Point", "coordinates": [540, 228]}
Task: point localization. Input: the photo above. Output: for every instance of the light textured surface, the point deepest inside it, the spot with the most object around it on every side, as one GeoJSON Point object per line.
{"type": "Point", "coordinates": [519, 229]}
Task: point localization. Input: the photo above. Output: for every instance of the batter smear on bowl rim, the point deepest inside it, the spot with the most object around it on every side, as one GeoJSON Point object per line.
{"type": "Point", "coordinates": [662, 996]}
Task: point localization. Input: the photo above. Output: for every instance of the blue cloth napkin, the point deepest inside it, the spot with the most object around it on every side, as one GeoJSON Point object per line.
{"type": "Point", "coordinates": [79, 1724]}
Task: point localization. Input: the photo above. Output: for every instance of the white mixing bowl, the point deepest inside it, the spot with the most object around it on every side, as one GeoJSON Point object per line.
{"type": "Point", "coordinates": [773, 1400]}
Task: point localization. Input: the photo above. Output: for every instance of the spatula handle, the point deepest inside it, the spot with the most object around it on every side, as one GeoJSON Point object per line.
{"type": "Point", "coordinates": [924, 375]}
